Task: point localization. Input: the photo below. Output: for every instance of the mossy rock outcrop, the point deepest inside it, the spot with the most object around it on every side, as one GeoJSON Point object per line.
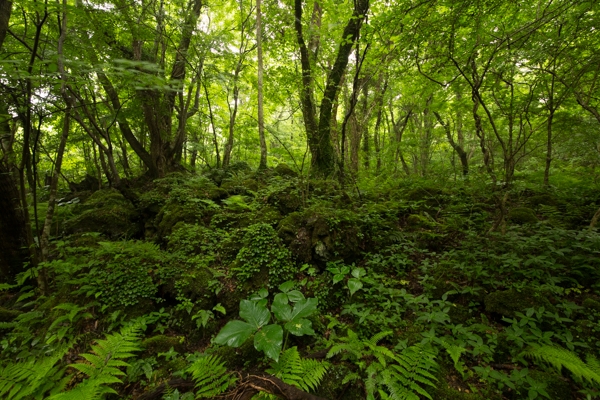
{"type": "Point", "coordinates": [107, 212]}
{"type": "Point", "coordinates": [508, 302]}
{"type": "Point", "coordinates": [286, 200]}
{"type": "Point", "coordinates": [522, 216]}
{"type": "Point", "coordinates": [284, 170]}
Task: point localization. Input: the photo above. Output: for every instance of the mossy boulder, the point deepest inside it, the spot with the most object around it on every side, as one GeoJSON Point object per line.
{"type": "Point", "coordinates": [107, 212]}
{"type": "Point", "coordinates": [542, 199]}
{"type": "Point", "coordinates": [522, 216]}
{"type": "Point", "coordinates": [508, 302]}
{"type": "Point", "coordinates": [286, 200]}
{"type": "Point", "coordinates": [416, 222]}
{"type": "Point", "coordinates": [162, 343]}
{"type": "Point", "coordinates": [285, 171]}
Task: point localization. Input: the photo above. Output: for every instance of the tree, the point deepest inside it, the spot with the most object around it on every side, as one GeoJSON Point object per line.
{"type": "Point", "coordinates": [318, 130]}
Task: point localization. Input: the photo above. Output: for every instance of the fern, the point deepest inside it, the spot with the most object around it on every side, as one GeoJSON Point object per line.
{"type": "Point", "coordinates": [211, 376]}
{"type": "Point", "coordinates": [303, 373]}
{"type": "Point", "coordinates": [32, 379]}
{"type": "Point", "coordinates": [559, 358]}
{"type": "Point", "coordinates": [389, 375]}
{"type": "Point", "coordinates": [102, 366]}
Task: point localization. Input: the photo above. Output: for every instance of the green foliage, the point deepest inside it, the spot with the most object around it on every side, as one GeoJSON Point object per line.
{"type": "Point", "coordinates": [103, 365]}
{"type": "Point", "coordinates": [34, 378]}
{"type": "Point", "coordinates": [269, 338]}
{"type": "Point", "coordinates": [303, 373]}
{"type": "Point", "coordinates": [123, 274]}
{"type": "Point", "coordinates": [211, 376]}
{"type": "Point", "coordinates": [391, 375]}
{"type": "Point", "coordinates": [559, 357]}
{"type": "Point", "coordinates": [263, 251]}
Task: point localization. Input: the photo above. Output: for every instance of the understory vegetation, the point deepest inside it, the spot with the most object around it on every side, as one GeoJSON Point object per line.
{"type": "Point", "coordinates": [268, 284]}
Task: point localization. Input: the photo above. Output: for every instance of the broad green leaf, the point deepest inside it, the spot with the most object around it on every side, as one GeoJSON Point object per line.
{"type": "Point", "coordinates": [281, 308]}
{"type": "Point", "coordinates": [269, 339]}
{"type": "Point", "coordinates": [354, 285]}
{"type": "Point", "coordinates": [235, 333]}
{"type": "Point", "coordinates": [255, 313]}
{"type": "Point", "coordinates": [304, 308]}
{"type": "Point", "coordinates": [287, 286]}
{"type": "Point", "coordinates": [220, 309]}
{"type": "Point", "coordinates": [337, 278]}
{"type": "Point", "coordinates": [300, 327]}
{"type": "Point", "coordinates": [295, 296]}
{"type": "Point", "coordinates": [358, 272]}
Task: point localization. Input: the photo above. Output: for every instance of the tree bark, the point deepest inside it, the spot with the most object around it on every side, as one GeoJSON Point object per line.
{"type": "Point", "coordinates": [261, 118]}
{"type": "Point", "coordinates": [5, 11]}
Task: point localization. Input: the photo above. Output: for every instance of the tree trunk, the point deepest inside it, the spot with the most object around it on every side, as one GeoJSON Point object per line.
{"type": "Point", "coordinates": [319, 132]}
{"type": "Point", "coordinates": [5, 11]}
{"type": "Point", "coordinates": [261, 123]}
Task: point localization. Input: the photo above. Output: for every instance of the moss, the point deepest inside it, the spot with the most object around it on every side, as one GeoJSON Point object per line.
{"type": "Point", "coordinates": [417, 222]}
{"type": "Point", "coordinates": [162, 343]}
{"type": "Point", "coordinates": [7, 315]}
{"type": "Point", "coordinates": [542, 199]}
{"type": "Point", "coordinates": [286, 200]}
{"type": "Point", "coordinates": [107, 212]}
{"type": "Point", "coordinates": [522, 215]}
{"type": "Point", "coordinates": [174, 213]}
{"type": "Point", "coordinates": [508, 302]}
{"type": "Point", "coordinates": [285, 171]}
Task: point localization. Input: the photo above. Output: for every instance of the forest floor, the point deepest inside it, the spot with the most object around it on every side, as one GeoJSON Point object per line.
{"type": "Point", "coordinates": [407, 289]}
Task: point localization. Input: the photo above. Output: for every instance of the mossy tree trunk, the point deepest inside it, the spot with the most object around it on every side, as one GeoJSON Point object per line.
{"type": "Point", "coordinates": [318, 130]}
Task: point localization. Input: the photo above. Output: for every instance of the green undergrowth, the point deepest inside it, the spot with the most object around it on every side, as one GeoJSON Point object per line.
{"type": "Point", "coordinates": [410, 290]}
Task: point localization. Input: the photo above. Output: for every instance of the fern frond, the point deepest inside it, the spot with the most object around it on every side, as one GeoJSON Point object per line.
{"type": "Point", "coordinates": [378, 336]}
{"type": "Point", "coordinates": [32, 378]}
{"type": "Point", "coordinates": [305, 374]}
{"type": "Point", "coordinates": [211, 376]}
{"type": "Point", "coordinates": [103, 364]}
{"type": "Point", "coordinates": [559, 358]}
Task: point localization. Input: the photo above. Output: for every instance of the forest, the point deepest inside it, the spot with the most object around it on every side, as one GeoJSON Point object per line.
{"type": "Point", "coordinates": [300, 199]}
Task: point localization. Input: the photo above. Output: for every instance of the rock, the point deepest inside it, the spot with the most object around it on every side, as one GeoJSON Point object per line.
{"type": "Point", "coordinates": [285, 171]}
{"type": "Point", "coordinates": [522, 216]}
{"type": "Point", "coordinates": [107, 212]}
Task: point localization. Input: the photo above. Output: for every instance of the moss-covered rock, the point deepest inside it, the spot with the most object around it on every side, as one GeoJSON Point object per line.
{"type": "Point", "coordinates": [522, 215]}
{"type": "Point", "coordinates": [107, 212]}
{"type": "Point", "coordinates": [162, 343]}
{"type": "Point", "coordinates": [287, 200]}
{"type": "Point", "coordinates": [416, 222]}
{"type": "Point", "coordinates": [542, 199]}
{"type": "Point", "coordinates": [507, 302]}
{"type": "Point", "coordinates": [285, 171]}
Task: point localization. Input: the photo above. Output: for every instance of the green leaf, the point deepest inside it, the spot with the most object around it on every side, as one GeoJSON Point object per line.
{"type": "Point", "coordinates": [286, 286]}
{"type": "Point", "coordinates": [220, 309]}
{"type": "Point", "coordinates": [234, 333]}
{"type": "Point", "coordinates": [295, 296]}
{"type": "Point", "coordinates": [300, 327]}
{"type": "Point", "coordinates": [304, 308]}
{"type": "Point", "coordinates": [354, 285]}
{"type": "Point", "coordinates": [337, 278]}
{"type": "Point", "coordinates": [255, 313]}
{"type": "Point", "coordinates": [281, 308]}
{"type": "Point", "coordinates": [269, 339]}
{"type": "Point", "coordinates": [358, 272]}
